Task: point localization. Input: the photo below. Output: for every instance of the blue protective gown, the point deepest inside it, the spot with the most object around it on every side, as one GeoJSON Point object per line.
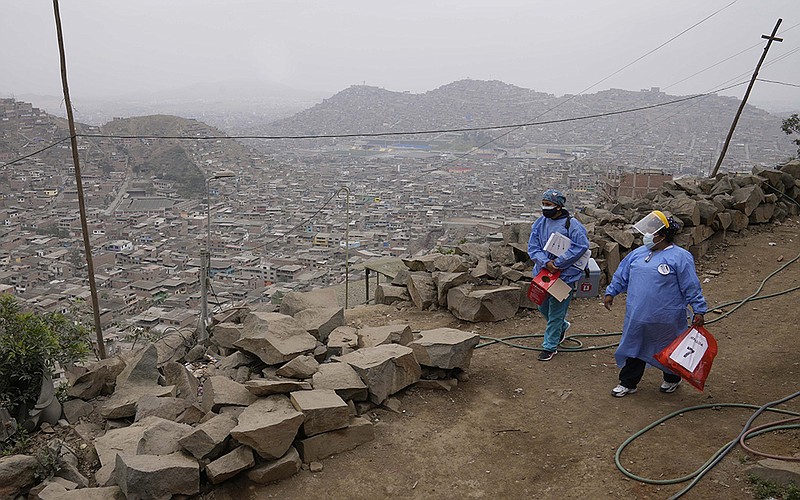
{"type": "Point", "coordinates": [658, 293]}
{"type": "Point", "coordinates": [541, 230]}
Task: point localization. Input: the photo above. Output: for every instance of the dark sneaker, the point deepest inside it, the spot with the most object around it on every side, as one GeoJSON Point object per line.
{"type": "Point", "coordinates": [669, 386]}
{"type": "Point", "coordinates": [564, 332]}
{"type": "Point", "coordinates": [546, 355]}
{"type": "Point", "coordinates": [620, 391]}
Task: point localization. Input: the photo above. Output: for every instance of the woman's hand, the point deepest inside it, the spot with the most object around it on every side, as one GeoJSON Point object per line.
{"type": "Point", "coordinates": [698, 320]}
{"type": "Point", "coordinates": [608, 301]}
{"type": "Point", "coordinates": [550, 266]}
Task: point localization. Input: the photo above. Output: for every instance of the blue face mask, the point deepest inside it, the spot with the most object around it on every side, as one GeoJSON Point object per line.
{"type": "Point", "coordinates": [647, 239]}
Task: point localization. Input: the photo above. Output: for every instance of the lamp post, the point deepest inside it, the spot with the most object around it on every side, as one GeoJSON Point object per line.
{"type": "Point", "coordinates": [346, 191]}
{"type": "Point", "coordinates": [205, 259]}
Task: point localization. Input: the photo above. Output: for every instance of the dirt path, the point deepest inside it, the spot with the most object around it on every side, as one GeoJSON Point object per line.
{"type": "Point", "coordinates": [520, 428]}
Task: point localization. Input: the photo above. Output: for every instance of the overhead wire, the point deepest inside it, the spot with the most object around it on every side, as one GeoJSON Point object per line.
{"type": "Point", "coordinates": [668, 114]}
{"type": "Point", "coordinates": [52, 145]}
{"type": "Point", "coordinates": [495, 139]}
{"type": "Point", "coordinates": [374, 134]}
{"type": "Point", "coordinates": [779, 83]}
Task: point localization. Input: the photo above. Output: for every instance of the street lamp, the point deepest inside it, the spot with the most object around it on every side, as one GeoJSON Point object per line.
{"type": "Point", "coordinates": [205, 258]}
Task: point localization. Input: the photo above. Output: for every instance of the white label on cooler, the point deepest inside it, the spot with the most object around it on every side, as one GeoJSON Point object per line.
{"type": "Point", "coordinates": [690, 351]}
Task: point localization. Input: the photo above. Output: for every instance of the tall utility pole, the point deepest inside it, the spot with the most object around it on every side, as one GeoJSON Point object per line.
{"type": "Point", "coordinates": [770, 38]}
{"type": "Point", "coordinates": [87, 246]}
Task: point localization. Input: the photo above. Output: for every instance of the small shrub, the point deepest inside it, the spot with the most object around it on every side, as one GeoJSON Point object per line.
{"type": "Point", "coordinates": [49, 462]}
{"type": "Point", "coordinates": [30, 346]}
{"type": "Point", "coordinates": [16, 444]}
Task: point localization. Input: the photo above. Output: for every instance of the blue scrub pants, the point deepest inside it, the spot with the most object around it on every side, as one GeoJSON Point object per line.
{"type": "Point", "coordinates": [554, 312]}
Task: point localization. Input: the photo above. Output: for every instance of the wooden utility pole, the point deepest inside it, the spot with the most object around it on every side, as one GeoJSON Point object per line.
{"type": "Point", "coordinates": [770, 39]}
{"type": "Point", "coordinates": [87, 246]}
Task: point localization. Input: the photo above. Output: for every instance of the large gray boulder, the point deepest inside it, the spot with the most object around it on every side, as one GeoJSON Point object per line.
{"type": "Point", "coordinates": [343, 340]}
{"type": "Point", "coordinates": [342, 378]}
{"type": "Point", "coordinates": [385, 369]}
{"type": "Point", "coordinates": [739, 220]}
{"type": "Point", "coordinates": [425, 263]}
{"type": "Point", "coordinates": [171, 347]}
{"type": "Point", "coordinates": [324, 445]}
{"type": "Point", "coordinates": [268, 426]}
{"type": "Point", "coordinates": [320, 321]}
{"type": "Point", "coordinates": [185, 383]}
{"type": "Point", "coordinates": [221, 391]}
{"type": "Point", "coordinates": [286, 466]}
{"type": "Point", "coordinates": [422, 289]}
{"type": "Point", "coordinates": [301, 367]}
{"type": "Point", "coordinates": [323, 410]}
{"type": "Point", "coordinates": [792, 168]}
{"type": "Point", "coordinates": [450, 264]}
{"type": "Point", "coordinates": [162, 438]}
{"type": "Point", "coordinates": [371, 336]}
{"type": "Point", "coordinates": [747, 198]}
{"type": "Point", "coordinates": [275, 338]}
{"type": "Point", "coordinates": [17, 473]}
{"type": "Point", "coordinates": [294, 302]}
{"type": "Point", "coordinates": [445, 281]}
{"type": "Point", "coordinates": [624, 238]}
{"type": "Point", "coordinates": [230, 465]}
{"type": "Point", "coordinates": [208, 439]}
{"type": "Point", "coordinates": [138, 379]}
{"type": "Point", "coordinates": [763, 213]}
{"type": "Point", "coordinates": [167, 407]}
{"type": "Point", "coordinates": [684, 208]}
{"type": "Point", "coordinates": [122, 440]}
{"type": "Point", "coordinates": [263, 387]}
{"type": "Point", "coordinates": [471, 303]}
{"type": "Point", "coordinates": [445, 348]}
{"type": "Point", "coordinates": [708, 211]}
{"type": "Point", "coordinates": [100, 379]}
{"type": "Point", "coordinates": [389, 294]}
{"type": "Point", "coordinates": [225, 334]}
{"type": "Point", "coordinates": [157, 477]}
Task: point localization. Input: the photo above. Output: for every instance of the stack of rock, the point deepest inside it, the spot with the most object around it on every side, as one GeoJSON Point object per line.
{"type": "Point", "coordinates": [287, 388]}
{"type": "Point", "coordinates": [488, 282]}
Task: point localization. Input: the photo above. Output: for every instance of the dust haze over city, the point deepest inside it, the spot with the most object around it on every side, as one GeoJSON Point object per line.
{"type": "Point", "coordinates": [675, 70]}
{"type": "Point", "coordinates": [233, 155]}
{"type": "Point", "coordinates": [160, 50]}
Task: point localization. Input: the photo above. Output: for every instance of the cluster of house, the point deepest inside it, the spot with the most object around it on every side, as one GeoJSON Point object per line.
{"type": "Point", "coordinates": [290, 219]}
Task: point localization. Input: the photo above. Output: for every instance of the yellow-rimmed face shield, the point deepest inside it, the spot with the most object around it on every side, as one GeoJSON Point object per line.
{"type": "Point", "coordinates": [652, 223]}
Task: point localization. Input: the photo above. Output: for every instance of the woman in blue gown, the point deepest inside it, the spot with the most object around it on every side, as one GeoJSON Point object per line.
{"type": "Point", "coordinates": [661, 281]}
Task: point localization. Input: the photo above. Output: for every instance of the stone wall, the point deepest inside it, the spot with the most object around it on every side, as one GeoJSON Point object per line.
{"type": "Point", "coordinates": [488, 282]}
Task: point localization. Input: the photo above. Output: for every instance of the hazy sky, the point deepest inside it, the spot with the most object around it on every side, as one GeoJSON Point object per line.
{"type": "Point", "coordinates": [118, 47]}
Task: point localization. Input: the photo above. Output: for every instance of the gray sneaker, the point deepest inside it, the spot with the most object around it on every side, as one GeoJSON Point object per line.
{"type": "Point", "coordinates": [669, 386]}
{"type": "Point", "coordinates": [620, 391]}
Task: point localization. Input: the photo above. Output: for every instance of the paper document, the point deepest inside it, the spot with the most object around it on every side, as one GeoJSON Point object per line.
{"type": "Point", "coordinates": [690, 351]}
{"type": "Point", "coordinates": [558, 244]}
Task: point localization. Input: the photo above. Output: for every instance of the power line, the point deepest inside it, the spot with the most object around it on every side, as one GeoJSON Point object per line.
{"type": "Point", "coordinates": [779, 83]}
{"type": "Point", "coordinates": [671, 113]}
{"type": "Point", "coordinates": [37, 151]}
{"type": "Point", "coordinates": [403, 133]}
{"type": "Point", "coordinates": [757, 44]}
{"type": "Point", "coordinates": [698, 23]}
{"type": "Point", "coordinates": [382, 134]}
{"type": "Point", "coordinates": [462, 156]}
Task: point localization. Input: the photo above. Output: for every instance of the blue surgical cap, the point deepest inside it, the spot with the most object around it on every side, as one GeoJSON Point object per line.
{"type": "Point", "coordinates": [555, 196]}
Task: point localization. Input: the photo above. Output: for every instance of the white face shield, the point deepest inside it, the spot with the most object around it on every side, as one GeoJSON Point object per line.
{"type": "Point", "coordinates": [651, 223]}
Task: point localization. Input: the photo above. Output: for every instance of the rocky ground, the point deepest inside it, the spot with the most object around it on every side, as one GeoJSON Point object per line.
{"type": "Point", "coordinates": [520, 428]}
